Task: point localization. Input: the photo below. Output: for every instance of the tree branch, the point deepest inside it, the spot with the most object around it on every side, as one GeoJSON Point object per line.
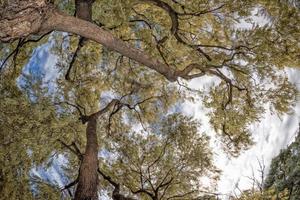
{"type": "Point", "coordinates": [75, 54]}
{"type": "Point", "coordinates": [61, 22]}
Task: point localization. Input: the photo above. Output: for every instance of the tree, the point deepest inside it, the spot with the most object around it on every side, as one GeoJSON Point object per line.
{"type": "Point", "coordinates": [26, 126]}
{"type": "Point", "coordinates": [284, 171]}
{"type": "Point", "coordinates": [268, 194]}
{"type": "Point", "coordinates": [147, 164]}
{"type": "Point", "coordinates": [282, 180]}
{"type": "Point", "coordinates": [178, 40]}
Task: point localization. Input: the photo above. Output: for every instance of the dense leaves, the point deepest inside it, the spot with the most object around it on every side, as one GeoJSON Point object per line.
{"type": "Point", "coordinates": [167, 162]}
{"type": "Point", "coordinates": [284, 173]}
{"type": "Point", "coordinates": [29, 130]}
{"type": "Point", "coordinates": [146, 145]}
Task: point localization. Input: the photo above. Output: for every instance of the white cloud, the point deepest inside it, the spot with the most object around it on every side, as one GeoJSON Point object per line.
{"type": "Point", "coordinates": [270, 135]}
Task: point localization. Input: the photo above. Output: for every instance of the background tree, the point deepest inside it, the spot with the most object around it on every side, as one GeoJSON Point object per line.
{"type": "Point", "coordinates": [268, 194]}
{"type": "Point", "coordinates": [282, 180]}
{"type": "Point", "coordinates": [284, 171]}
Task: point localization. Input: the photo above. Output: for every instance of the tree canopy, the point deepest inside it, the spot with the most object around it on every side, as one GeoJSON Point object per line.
{"type": "Point", "coordinates": [123, 69]}
{"type": "Point", "coordinates": [284, 171]}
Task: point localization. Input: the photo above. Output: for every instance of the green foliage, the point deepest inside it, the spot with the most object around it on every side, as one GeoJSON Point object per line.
{"type": "Point", "coordinates": [268, 194]}
{"type": "Point", "coordinates": [29, 128]}
{"type": "Point", "coordinates": [282, 181]}
{"type": "Point", "coordinates": [168, 161]}
{"type": "Point", "coordinates": [284, 173]}
{"type": "Point", "coordinates": [248, 63]}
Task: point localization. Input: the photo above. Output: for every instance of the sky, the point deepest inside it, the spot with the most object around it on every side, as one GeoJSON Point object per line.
{"type": "Point", "coordinates": [270, 135]}
{"type": "Point", "coordinates": [42, 66]}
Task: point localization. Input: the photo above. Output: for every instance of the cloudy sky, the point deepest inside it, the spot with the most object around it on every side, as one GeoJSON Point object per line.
{"type": "Point", "coordinates": [270, 135]}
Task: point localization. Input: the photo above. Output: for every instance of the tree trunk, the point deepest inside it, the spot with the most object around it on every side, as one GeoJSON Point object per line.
{"type": "Point", "coordinates": [84, 9]}
{"type": "Point", "coordinates": [88, 174]}
{"type": "Point", "coordinates": [18, 19]}
{"type": "Point", "coordinates": [88, 177]}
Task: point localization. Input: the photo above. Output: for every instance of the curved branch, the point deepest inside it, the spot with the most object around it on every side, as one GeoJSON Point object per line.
{"type": "Point", "coordinates": [175, 25]}
{"type": "Point", "coordinates": [48, 18]}
{"type": "Point", "coordinates": [61, 22]}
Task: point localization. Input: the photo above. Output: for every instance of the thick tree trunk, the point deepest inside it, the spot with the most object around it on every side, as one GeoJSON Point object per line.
{"type": "Point", "coordinates": [19, 19]}
{"type": "Point", "coordinates": [84, 9]}
{"type": "Point", "coordinates": [88, 174]}
{"type": "Point", "coordinates": [88, 177]}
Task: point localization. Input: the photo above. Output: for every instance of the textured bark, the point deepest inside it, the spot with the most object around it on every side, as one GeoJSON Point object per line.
{"type": "Point", "coordinates": [88, 178]}
{"type": "Point", "coordinates": [84, 9]}
{"type": "Point", "coordinates": [43, 18]}
{"type": "Point", "coordinates": [19, 19]}
{"type": "Point", "coordinates": [88, 174]}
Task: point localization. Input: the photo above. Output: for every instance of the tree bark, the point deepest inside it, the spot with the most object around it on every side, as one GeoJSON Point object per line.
{"type": "Point", "coordinates": [88, 178]}
{"type": "Point", "coordinates": [21, 20]}
{"type": "Point", "coordinates": [88, 174]}
{"type": "Point", "coordinates": [84, 9]}
{"type": "Point", "coordinates": [61, 22]}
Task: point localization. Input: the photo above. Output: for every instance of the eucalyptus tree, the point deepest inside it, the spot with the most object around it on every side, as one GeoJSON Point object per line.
{"type": "Point", "coordinates": [141, 54]}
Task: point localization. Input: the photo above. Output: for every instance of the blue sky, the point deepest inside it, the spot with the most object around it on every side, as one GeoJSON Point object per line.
{"type": "Point", "coordinates": [41, 66]}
